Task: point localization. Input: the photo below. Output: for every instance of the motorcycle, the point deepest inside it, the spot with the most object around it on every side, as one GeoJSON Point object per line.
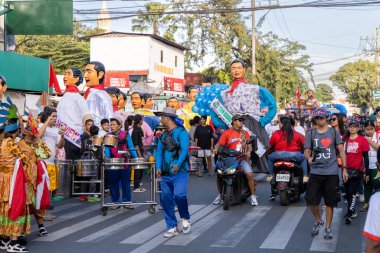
{"type": "Point", "coordinates": [232, 179]}
{"type": "Point", "coordinates": [287, 181]}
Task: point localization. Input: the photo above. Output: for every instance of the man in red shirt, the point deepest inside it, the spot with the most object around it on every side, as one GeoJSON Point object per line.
{"type": "Point", "coordinates": [236, 138]}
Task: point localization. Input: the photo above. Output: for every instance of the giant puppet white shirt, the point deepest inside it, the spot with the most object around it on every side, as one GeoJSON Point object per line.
{"type": "Point", "coordinates": [70, 112]}
{"type": "Point", "coordinates": [100, 105]}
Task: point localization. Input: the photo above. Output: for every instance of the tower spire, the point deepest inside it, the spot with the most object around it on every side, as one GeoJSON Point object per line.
{"type": "Point", "coordinates": [104, 21]}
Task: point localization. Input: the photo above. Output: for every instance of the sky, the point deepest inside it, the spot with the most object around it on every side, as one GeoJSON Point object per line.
{"type": "Point", "coordinates": [328, 33]}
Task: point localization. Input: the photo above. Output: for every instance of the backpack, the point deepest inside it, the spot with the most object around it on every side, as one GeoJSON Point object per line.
{"type": "Point", "coordinates": [171, 144]}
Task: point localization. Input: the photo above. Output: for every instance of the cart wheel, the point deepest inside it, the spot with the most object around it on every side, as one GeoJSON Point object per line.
{"type": "Point", "coordinates": [152, 210]}
{"type": "Point", "coordinates": [104, 210]}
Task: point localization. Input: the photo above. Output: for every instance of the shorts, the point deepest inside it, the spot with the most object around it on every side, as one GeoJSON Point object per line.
{"type": "Point", "coordinates": [326, 186]}
{"type": "Point", "coordinates": [52, 172]}
{"type": "Point", "coordinates": [204, 153]}
{"type": "Point", "coordinates": [244, 165]}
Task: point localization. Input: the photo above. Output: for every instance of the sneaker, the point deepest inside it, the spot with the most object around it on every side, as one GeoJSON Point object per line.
{"type": "Point", "coordinates": [218, 200]}
{"type": "Point", "coordinates": [328, 235]}
{"type": "Point", "coordinates": [272, 197]}
{"type": "Point", "coordinates": [316, 227]}
{"type": "Point", "coordinates": [254, 201]}
{"type": "Point", "coordinates": [16, 248]}
{"type": "Point", "coordinates": [140, 189]}
{"type": "Point", "coordinates": [4, 243]}
{"type": "Point", "coordinates": [185, 226]}
{"type": "Point", "coordinates": [354, 214]}
{"type": "Point", "coordinates": [83, 198]}
{"type": "Point", "coordinates": [361, 198]}
{"type": "Point", "coordinates": [115, 207]}
{"type": "Point", "coordinates": [93, 199]}
{"type": "Point", "coordinates": [42, 232]}
{"type": "Point", "coordinates": [159, 207]}
{"type": "Point", "coordinates": [357, 195]}
{"type": "Point", "coordinates": [364, 208]}
{"type": "Point", "coordinates": [171, 232]}
{"type": "Point", "coordinates": [305, 179]}
{"type": "Point", "coordinates": [347, 220]}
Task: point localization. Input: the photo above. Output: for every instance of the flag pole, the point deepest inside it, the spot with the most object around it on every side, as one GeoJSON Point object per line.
{"type": "Point", "coordinates": [48, 90]}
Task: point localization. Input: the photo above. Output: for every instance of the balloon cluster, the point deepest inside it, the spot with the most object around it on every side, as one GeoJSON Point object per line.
{"type": "Point", "coordinates": [203, 101]}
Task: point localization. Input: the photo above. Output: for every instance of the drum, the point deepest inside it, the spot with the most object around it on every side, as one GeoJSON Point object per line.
{"type": "Point", "coordinates": [139, 166]}
{"type": "Point", "coordinates": [110, 141]}
{"type": "Point", "coordinates": [63, 178]}
{"type": "Point", "coordinates": [87, 168]}
{"type": "Point", "coordinates": [97, 141]}
{"type": "Point", "coordinates": [114, 167]}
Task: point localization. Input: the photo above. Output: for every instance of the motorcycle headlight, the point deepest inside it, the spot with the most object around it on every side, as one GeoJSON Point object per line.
{"type": "Point", "coordinates": [232, 171]}
{"type": "Point", "coordinates": [219, 171]}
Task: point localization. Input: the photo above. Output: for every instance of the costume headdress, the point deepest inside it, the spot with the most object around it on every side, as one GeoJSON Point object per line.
{"type": "Point", "coordinates": [30, 126]}
{"type": "Point", "coordinates": [8, 112]}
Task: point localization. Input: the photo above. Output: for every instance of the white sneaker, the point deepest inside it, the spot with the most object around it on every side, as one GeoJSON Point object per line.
{"type": "Point", "coordinates": [16, 248]}
{"type": "Point", "coordinates": [218, 200]}
{"type": "Point", "coordinates": [171, 232]}
{"type": "Point", "coordinates": [254, 201]}
{"type": "Point", "coordinates": [361, 198]}
{"type": "Point", "coordinates": [4, 244]}
{"type": "Point", "coordinates": [185, 226]}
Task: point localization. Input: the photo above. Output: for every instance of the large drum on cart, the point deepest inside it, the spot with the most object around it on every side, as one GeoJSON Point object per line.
{"type": "Point", "coordinates": [87, 168]}
{"type": "Point", "coordinates": [63, 178]}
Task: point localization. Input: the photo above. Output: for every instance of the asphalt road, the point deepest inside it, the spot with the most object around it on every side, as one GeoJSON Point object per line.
{"type": "Point", "coordinates": [79, 227]}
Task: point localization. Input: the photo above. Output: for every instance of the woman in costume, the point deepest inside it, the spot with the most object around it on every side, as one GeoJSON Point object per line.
{"type": "Point", "coordinates": [37, 180]}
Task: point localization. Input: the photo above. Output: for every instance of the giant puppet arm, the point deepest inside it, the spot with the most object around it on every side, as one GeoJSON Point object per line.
{"type": "Point", "coordinates": [268, 100]}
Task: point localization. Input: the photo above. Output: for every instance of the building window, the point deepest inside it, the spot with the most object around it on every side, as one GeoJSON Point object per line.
{"type": "Point", "coordinates": [176, 60]}
{"type": "Point", "coordinates": [162, 56]}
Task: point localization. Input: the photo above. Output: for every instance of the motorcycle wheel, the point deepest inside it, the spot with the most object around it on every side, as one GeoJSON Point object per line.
{"type": "Point", "coordinates": [227, 197]}
{"type": "Point", "coordinates": [284, 198]}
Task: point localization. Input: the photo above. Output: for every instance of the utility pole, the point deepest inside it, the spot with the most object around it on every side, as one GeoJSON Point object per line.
{"type": "Point", "coordinates": [253, 41]}
{"type": "Point", "coordinates": [377, 57]}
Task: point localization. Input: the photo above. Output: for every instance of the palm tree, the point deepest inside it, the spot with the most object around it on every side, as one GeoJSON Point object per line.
{"type": "Point", "coordinates": [152, 17]}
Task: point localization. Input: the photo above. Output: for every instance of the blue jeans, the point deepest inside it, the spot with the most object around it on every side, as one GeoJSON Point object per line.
{"type": "Point", "coordinates": [117, 176]}
{"type": "Point", "coordinates": [174, 191]}
{"type": "Point", "coordinates": [297, 156]}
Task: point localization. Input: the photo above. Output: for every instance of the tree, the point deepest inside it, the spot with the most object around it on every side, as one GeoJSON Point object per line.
{"type": "Point", "coordinates": [65, 51]}
{"type": "Point", "coordinates": [357, 80]}
{"type": "Point", "coordinates": [145, 22]}
{"type": "Point", "coordinates": [324, 93]}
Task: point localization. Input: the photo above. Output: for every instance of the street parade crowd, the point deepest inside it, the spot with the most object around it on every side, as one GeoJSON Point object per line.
{"type": "Point", "coordinates": [338, 154]}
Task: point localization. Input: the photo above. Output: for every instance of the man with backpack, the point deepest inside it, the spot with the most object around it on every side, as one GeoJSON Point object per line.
{"type": "Point", "coordinates": [321, 147]}
{"type": "Point", "coordinates": [172, 165]}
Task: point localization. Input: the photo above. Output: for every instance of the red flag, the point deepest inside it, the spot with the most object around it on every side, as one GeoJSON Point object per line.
{"type": "Point", "coordinates": [298, 93]}
{"type": "Point", "coordinates": [53, 81]}
{"type": "Point", "coordinates": [43, 183]}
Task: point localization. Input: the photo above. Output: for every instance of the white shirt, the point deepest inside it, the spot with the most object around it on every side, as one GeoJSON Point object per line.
{"type": "Point", "coordinates": [51, 139]}
{"type": "Point", "coordinates": [372, 154]}
{"type": "Point", "coordinates": [100, 105]}
{"type": "Point", "coordinates": [372, 224]}
{"type": "Point", "coordinates": [271, 129]}
{"type": "Point", "coordinates": [300, 130]}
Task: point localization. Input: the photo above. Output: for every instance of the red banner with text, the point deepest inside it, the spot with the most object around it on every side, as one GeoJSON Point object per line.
{"type": "Point", "coordinates": [174, 84]}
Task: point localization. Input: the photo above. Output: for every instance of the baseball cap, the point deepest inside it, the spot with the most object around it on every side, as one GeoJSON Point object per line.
{"type": "Point", "coordinates": [236, 117]}
{"type": "Point", "coordinates": [353, 121]}
{"type": "Point", "coordinates": [322, 113]}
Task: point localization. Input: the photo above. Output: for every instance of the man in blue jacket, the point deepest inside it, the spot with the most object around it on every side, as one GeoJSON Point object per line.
{"type": "Point", "coordinates": [173, 166]}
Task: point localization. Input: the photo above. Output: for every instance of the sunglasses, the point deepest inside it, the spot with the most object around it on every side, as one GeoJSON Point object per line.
{"type": "Point", "coordinates": [240, 120]}
{"type": "Point", "coordinates": [334, 119]}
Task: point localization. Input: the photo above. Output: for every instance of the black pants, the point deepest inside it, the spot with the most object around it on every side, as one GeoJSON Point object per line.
{"type": "Point", "coordinates": [72, 151]}
{"type": "Point", "coordinates": [137, 178]}
{"type": "Point", "coordinates": [351, 188]}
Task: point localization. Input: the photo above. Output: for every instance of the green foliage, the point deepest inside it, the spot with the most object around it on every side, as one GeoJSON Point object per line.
{"type": "Point", "coordinates": [357, 80]}
{"type": "Point", "coordinates": [324, 93]}
{"type": "Point", "coordinates": [65, 51]}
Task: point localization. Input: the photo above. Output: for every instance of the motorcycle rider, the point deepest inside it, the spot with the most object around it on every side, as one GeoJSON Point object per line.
{"type": "Point", "coordinates": [236, 138]}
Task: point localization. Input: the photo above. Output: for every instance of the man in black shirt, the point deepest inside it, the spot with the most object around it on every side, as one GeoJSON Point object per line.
{"type": "Point", "coordinates": [204, 139]}
{"type": "Point", "coordinates": [137, 137]}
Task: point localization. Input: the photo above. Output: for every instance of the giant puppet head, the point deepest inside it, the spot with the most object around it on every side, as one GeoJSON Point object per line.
{"type": "Point", "coordinates": [192, 93]}
{"type": "Point", "coordinates": [137, 100]}
{"type": "Point", "coordinates": [173, 103]}
{"type": "Point", "coordinates": [94, 73]}
{"type": "Point", "coordinates": [237, 69]}
{"type": "Point", "coordinates": [3, 86]}
{"type": "Point", "coordinates": [73, 77]}
{"type": "Point", "coordinates": [122, 100]}
{"type": "Point", "coordinates": [148, 101]}
{"type": "Point", "coordinates": [114, 92]}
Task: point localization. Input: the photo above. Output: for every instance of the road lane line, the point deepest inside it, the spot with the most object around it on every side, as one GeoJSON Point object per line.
{"type": "Point", "coordinates": [280, 235]}
{"type": "Point", "coordinates": [235, 234]}
{"type": "Point", "coordinates": [155, 229]}
{"type": "Point", "coordinates": [319, 243]}
{"type": "Point", "coordinates": [61, 208]}
{"type": "Point", "coordinates": [159, 239]}
{"type": "Point", "coordinates": [201, 226]}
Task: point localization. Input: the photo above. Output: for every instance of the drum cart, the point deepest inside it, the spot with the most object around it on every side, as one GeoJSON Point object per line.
{"type": "Point", "coordinates": [196, 163]}
{"type": "Point", "coordinates": [85, 168]}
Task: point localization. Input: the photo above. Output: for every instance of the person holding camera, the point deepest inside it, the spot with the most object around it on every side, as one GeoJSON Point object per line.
{"type": "Point", "coordinates": [321, 147]}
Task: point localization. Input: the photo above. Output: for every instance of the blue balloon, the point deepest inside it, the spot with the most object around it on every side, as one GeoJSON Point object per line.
{"type": "Point", "coordinates": [208, 94]}
{"type": "Point", "coordinates": [207, 88]}
{"type": "Point", "coordinates": [197, 99]}
{"type": "Point", "coordinates": [201, 94]}
{"type": "Point", "coordinates": [208, 103]}
{"type": "Point", "coordinates": [195, 108]}
{"type": "Point", "coordinates": [213, 95]}
{"type": "Point", "coordinates": [202, 112]}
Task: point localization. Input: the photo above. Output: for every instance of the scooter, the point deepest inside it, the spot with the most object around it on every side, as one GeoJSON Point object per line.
{"type": "Point", "coordinates": [287, 181]}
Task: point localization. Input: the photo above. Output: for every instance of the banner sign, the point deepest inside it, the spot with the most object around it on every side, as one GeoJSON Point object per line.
{"type": "Point", "coordinates": [174, 84]}
{"type": "Point", "coordinates": [70, 134]}
{"type": "Point", "coordinates": [221, 111]}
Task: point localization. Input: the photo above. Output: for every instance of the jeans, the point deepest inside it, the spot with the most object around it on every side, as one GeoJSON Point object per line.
{"type": "Point", "coordinates": [174, 191]}
{"type": "Point", "coordinates": [117, 176]}
{"type": "Point", "coordinates": [297, 156]}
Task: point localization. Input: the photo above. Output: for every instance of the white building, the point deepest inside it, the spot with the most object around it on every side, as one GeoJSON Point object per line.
{"type": "Point", "coordinates": [157, 65]}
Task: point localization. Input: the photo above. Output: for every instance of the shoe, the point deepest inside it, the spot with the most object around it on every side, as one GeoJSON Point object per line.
{"type": "Point", "coordinates": [272, 197]}
{"type": "Point", "coordinates": [364, 208]}
{"type": "Point", "coordinates": [254, 201]}
{"type": "Point", "coordinates": [49, 217]}
{"type": "Point", "coordinates": [345, 201]}
{"type": "Point", "coordinates": [16, 248]}
{"type": "Point", "coordinates": [269, 178]}
{"type": "Point", "coordinates": [159, 207]}
{"type": "Point", "coordinates": [328, 235]}
{"type": "Point", "coordinates": [4, 243]}
{"type": "Point", "coordinates": [93, 199]}
{"type": "Point", "coordinates": [354, 214]}
{"type": "Point", "coordinates": [305, 179]}
{"type": "Point", "coordinates": [115, 207]}
{"type": "Point", "coordinates": [140, 189]}
{"type": "Point", "coordinates": [357, 195]}
{"type": "Point", "coordinates": [42, 232]}
{"type": "Point", "coordinates": [347, 220]}
{"type": "Point", "coordinates": [361, 198]}
{"type": "Point", "coordinates": [316, 227]}
{"type": "Point", "coordinates": [22, 240]}
{"type": "Point", "coordinates": [185, 226]}
{"type": "Point", "coordinates": [377, 175]}
{"type": "Point", "coordinates": [83, 198]}
{"type": "Point", "coordinates": [218, 200]}
{"type": "Point", "coordinates": [171, 232]}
